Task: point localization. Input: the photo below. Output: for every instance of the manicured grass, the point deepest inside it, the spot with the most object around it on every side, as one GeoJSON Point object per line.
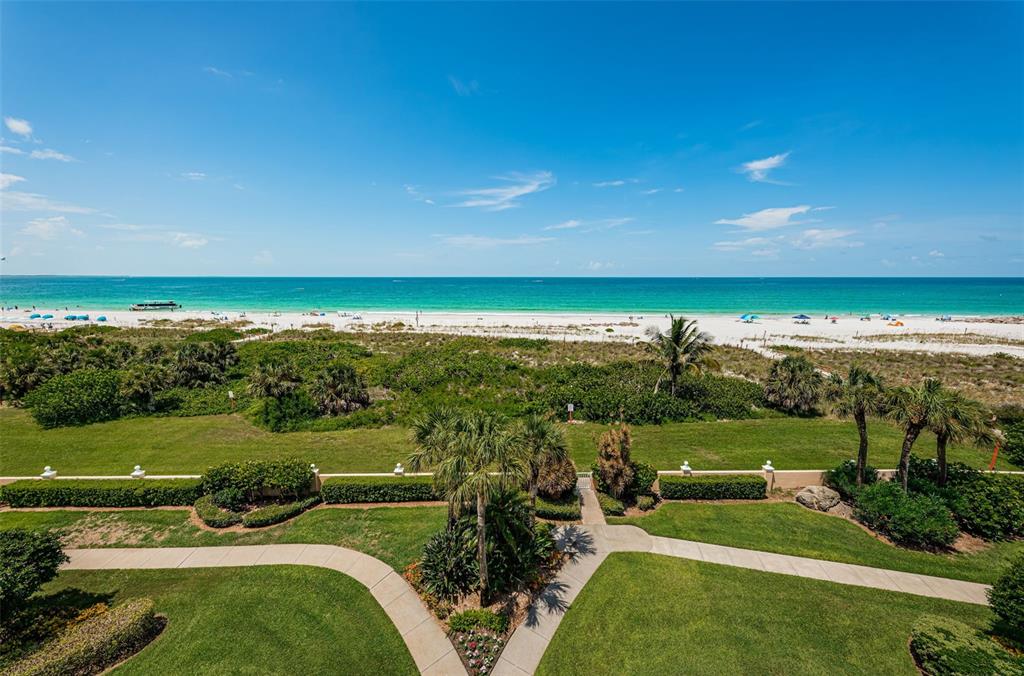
{"type": "Point", "coordinates": [190, 445]}
{"type": "Point", "coordinates": [395, 535]}
{"type": "Point", "coordinates": [260, 620]}
{"type": "Point", "coordinates": [651, 614]}
{"type": "Point", "coordinates": [788, 528]}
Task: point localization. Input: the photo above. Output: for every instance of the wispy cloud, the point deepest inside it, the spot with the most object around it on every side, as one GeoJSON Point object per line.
{"type": "Point", "coordinates": [506, 196]}
{"type": "Point", "coordinates": [481, 242]}
{"type": "Point", "coordinates": [51, 154]}
{"type": "Point", "coordinates": [651, 191]}
{"type": "Point", "coordinates": [768, 219]}
{"type": "Point", "coordinates": [590, 225]}
{"type": "Point", "coordinates": [212, 70]}
{"type": "Point", "coordinates": [414, 192]}
{"type": "Point", "coordinates": [825, 238]}
{"type": "Point", "coordinates": [679, 190]}
{"type": "Point", "coordinates": [758, 170]}
{"type": "Point", "coordinates": [615, 183]}
{"type": "Point", "coordinates": [50, 228]}
{"type": "Point", "coordinates": [193, 175]}
{"type": "Point", "coordinates": [750, 125]}
{"type": "Point", "coordinates": [18, 126]}
{"type": "Point", "coordinates": [935, 253]}
{"type": "Point", "coordinates": [737, 244]}
{"type": "Point", "coordinates": [264, 257]}
{"type": "Point", "coordinates": [11, 150]}
{"type": "Point", "coordinates": [27, 201]}
{"type": "Point", "coordinates": [596, 266]}
{"type": "Point", "coordinates": [566, 225]}
{"type": "Point", "coordinates": [9, 180]}
{"type": "Point", "coordinates": [188, 240]}
{"type": "Point", "coordinates": [464, 88]}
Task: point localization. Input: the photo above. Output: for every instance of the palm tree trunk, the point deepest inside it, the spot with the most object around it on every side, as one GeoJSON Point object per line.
{"type": "Point", "coordinates": [940, 451]}
{"type": "Point", "coordinates": [862, 451]}
{"type": "Point", "coordinates": [481, 544]}
{"type": "Point", "coordinates": [908, 444]}
{"type": "Point", "coordinates": [533, 501]}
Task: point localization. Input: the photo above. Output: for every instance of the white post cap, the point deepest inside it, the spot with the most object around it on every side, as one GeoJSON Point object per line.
{"type": "Point", "coordinates": [138, 472]}
{"type": "Point", "coordinates": [767, 466]}
{"type": "Point", "coordinates": [685, 467]}
{"type": "Point", "coordinates": [314, 468]}
{"type": "Point", "coordinates": [399, 470]}
{"type": "Point", "coordinates": [49, 473]}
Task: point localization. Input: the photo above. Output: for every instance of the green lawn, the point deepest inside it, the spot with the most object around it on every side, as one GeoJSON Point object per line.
{"type": "Point", "coordinates": [190, 445]}
{"type": "Point", "coordinates": [788, 528]}
{"type": "Point", "coordinates": [395, 535]}
{"type": "Point", "coordinates": [260, 620]}
{"type": "Point", "coordinates": [651, 614]}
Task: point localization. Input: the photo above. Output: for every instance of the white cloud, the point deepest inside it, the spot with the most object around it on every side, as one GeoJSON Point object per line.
{"type": "Point", "coordinates": [595, 266]}
{"type": "Point", "coordinates": [934, 253]}
{"type": "Point", "coordinates": [758, 170]}
{"type": "Point", "coordinates": [615, 183]}
{"type": "Point", "coordinates": [765, 253]}
{"type": "Point", "coordinates": [50, 228]}
{"type": "Point", "coordinates": [127, 227]}
{"type": "Point", "coordinates": [193, 176]}
{"type": "Point", "coordinates": [735, 245]}
{"type": "Point", "coordinates": [566, 225]}
{"type": "Point", "coordinates": [9, 180]}
{"type": "Point", "coordinates": [479, 242]}
{"type": "Point", "coordinates": [750, 125]}
{"type": "Point", "coordinates": [414, 192]}
{"type": "Point", "coordinates": [652, 191]}
{"type": "Point", "coordinates": [506, 196]}
{"type": "Point", "coordinates": [678, 189]}
{"type": "Point", "coordinates": [767, 219]}
{"type": "Point", "coordinates": [27, 201]}
{"type": "Point", "coordinates": [51, 154]}
{"type": "Point", "coordinates": [825, 238]}
{"type": "Point", "coordinates": [461, 88]}
{"type": "Point", "coordinates": [263, 258]}
{"type": "Point", "coordinates": [590, 226]}
{"type": "Point", "coordinates": [17, 126]}
{"type": "Point", "coordinates": [187, 240]}
{"type": "Point", "coordinates": [217, 71]}
{"type": "Point", "coordinates": [12, 151]}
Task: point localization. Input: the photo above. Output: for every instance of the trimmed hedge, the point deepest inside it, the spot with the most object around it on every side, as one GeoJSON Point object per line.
{"type": "Point", "coordinates": [560, 510]}
{"type": "Point", "coordinates": [646, 503]}
{"type": "Point", "coordinates": [101, 492]}
{"type": "Point", "coordinates": [378, 489]}
{"type": "Point", "coordinates": [1007, 599]}
{"type": "Point", "coordinates": [214, 516]}
{"type": "Point", "coordinates": [610, 506]}
{"type": "Point", "coordinates": [713, 487]}
{"type": "Point", "coordinates": [95, 644]}
{"type": "Point", "coordinates": [913, 520]}
{"type": "Point", "coordinates": [257, 478]}
{"type": "Point", "coordinates": [271, 514]}
{"type": "Point", "coordinates": [77, 398]}
{"type": "Point", "coordinates": [481, 618]}
{"type": "Point", "coordinates": [945, 647]}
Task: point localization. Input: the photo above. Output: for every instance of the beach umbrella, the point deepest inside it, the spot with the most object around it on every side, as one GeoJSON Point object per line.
{"type": "Point", "coordinates": [34, 315]}
{"type": "Point", "coordinates": [70, 317]}
{"type": "Point", "coordinates": [744, 317]}
{"type": "Point", "coordinates": [47, 316]}
{"type": "Point", "coordinates": [83, 317]}
{"type": "Point", "coordinates": [800, 317]}
{"type": "Point", "coordinates": [101, 318]}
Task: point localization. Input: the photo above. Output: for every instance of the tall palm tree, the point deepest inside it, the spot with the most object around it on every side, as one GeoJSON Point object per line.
{"type": "Point", "coordinates": [482, 455]}
{"type": "Point", "coordinates": [275, 380]}
{"type": "Point", "coordinates": [544, 445]}
{"type": "Point", "coordinates": [338, 389]}
{"type": "Point", "coordinates": [915, 408]}
{"type": "Point", "coordinates": [434, 437]}
{"type": "Point", "coordinates": [857, 397]}
{"type": "Point", "coordinates": [957, 419]}
{"type": "Point", "coordinates": [683, 348]}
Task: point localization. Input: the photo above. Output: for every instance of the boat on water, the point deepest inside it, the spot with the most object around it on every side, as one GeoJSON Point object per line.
{"type": "Point", "coordinates": [155, 305]}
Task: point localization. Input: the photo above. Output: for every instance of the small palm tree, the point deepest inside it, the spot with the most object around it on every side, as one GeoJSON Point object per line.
{"type": "Point", "coordinates": [794, 385]}
{"type": "Point", "coordinates": [544, 445]}
{"type": "Point", "coordinates": [914, 408]}
{"type": "Point", "coordinates": [275, 380]}
{"type": "Point", "coordinates": [434, 437]}
{"type": "Point", "coordinates": [473, 455]}
{"type": "Point", "coordinates": [857, 397]}
{"type": "Point", "coordinates": [683, 348]}
{"type": "Point", "coordinates": [957, 419]}
{"type": "Point", "coordinates": [339, 389]}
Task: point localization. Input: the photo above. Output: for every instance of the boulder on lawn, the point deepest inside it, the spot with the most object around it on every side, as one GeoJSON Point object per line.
{"type": "Point", "coordinates": [821, 498]}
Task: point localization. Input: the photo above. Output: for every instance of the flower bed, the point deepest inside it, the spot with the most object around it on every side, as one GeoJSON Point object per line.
{"type": "Point", "coordinates": [479, 649]}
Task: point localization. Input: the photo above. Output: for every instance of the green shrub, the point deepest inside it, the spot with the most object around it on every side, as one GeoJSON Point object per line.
{"type": "Point", "coordinates": [794, 385]}
{"type": "Point", "coordinates": [610, 506]}
{"type": "Point", "coordinates": [271, 514]}
{"type": "Point", "coordinates": [28, 559]}
{"type": "Point", "coordinates": [1007, 599]}
{"type": "Point", "coordinates": [448, 568]}
{"type": "Point", "coordinates": [1013, 446]}
{"type": "Point", "coordinates": [378, 489]}
{"type": "Point", "coordinates": [77, 398]}
{"type": "Point", "coordinates": [945, 647]}
{"type": "Point", "coordinates": [646, 503]}
{"type": "Point", "coordinates": [713, 487]}
{"type": "Point", "coordinates": [481, 618]}
{"type": "Point", "coordinates": [215, 516]}
{"type": "Point", "coordinates": [230, 498]}
{"type": "Point", "coordinates": [566, 509]}
{"type": "Point", "coordinates": [101, 492]}
{"type": "Point", "coordinates": [94, 644]}
{"type": "Point", "coordinates": [844, 478]}
{"type": "Point", "coordinates": [912, 520]}
{"type": "Point", "coordinates": [644, 476]}
{"type": "Point", "coordinates": [991, 506]}
{"type": "Point", "coordinates": [261, 478]}
{"type": "Point", "coordinates": [284, 414]}
{"type": "Point", "coordinates": [557, 479]}
{"type": "Point", "coordinates": [923, 476]}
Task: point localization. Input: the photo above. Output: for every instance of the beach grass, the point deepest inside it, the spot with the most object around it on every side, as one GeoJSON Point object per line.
{"type": "Point", "coordinates": [788, 528]}
{"type": "Point", "coordinates": [179, 445]}
{"type": "Point", "coordinates": [395, 535]}
{"type": "Point", "coordinates": [651, 614]}
{"type": "Point", "coordinates": [266, 619]}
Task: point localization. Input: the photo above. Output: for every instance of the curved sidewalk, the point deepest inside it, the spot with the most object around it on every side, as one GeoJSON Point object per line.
{"type": "Point", "coordinates": [430, 648]}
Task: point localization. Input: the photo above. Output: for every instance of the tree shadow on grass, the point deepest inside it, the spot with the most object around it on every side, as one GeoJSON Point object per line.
{"type": "Point", "coordinates": [576, 543]}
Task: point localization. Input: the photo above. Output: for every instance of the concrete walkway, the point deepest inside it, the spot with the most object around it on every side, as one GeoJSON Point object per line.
{"type": "Point", "coordinates": [590, 544]}
{"type": "Point", "coordinates": [426, 641]}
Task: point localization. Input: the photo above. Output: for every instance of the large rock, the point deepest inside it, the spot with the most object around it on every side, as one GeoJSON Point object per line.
{"type": "Point", "coordinates": [821, 498]}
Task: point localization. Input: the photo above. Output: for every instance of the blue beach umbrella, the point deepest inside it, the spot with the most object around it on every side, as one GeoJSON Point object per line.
{"type": "Point", "coordinates": [101, 318]}
{"type": "Point", "coordinates": [83, 317]}
{"type": "Point", "coordinates": [34, 315]}
{"type": "Point", "coordinates": [47, 316]}
{"type": "Point", "coordinates": [70, 317]}
{"type": "Point", "coordinates": [800, 317]}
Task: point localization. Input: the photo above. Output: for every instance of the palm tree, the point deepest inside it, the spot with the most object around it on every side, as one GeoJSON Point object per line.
{"type": "Point", "coordinates": [794, 385]}
{"type": "Point", "coordinates": [275, 380]}
{"type": "Point", "coordinates": [339, 389]}
{"type": "Point", "coordinates": [683, 348]}
{"type": "Point", "coordinates": [857, 397]}
{"type": "Point", "coordinates": [544, 445]}
{"type": "Point", "coordinates": [957, 419]}
{"type": "Point", "coordinates": [434, 437]}
{"type": "Point", "coordinates": [473, 455]}
{"type": "Point", "coordinates": [915, 408]}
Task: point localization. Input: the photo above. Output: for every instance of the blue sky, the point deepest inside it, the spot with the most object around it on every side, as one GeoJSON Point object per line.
{"type": "Point", "coordinates": [512, 139]}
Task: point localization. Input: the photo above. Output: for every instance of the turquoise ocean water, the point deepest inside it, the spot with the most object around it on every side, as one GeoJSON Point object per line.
{"type": "Point", "coordinates": [956, 296]}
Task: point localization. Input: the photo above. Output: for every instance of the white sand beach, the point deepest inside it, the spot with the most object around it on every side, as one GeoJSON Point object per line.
{"type": "Point", "coordinates": [967, 335]}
